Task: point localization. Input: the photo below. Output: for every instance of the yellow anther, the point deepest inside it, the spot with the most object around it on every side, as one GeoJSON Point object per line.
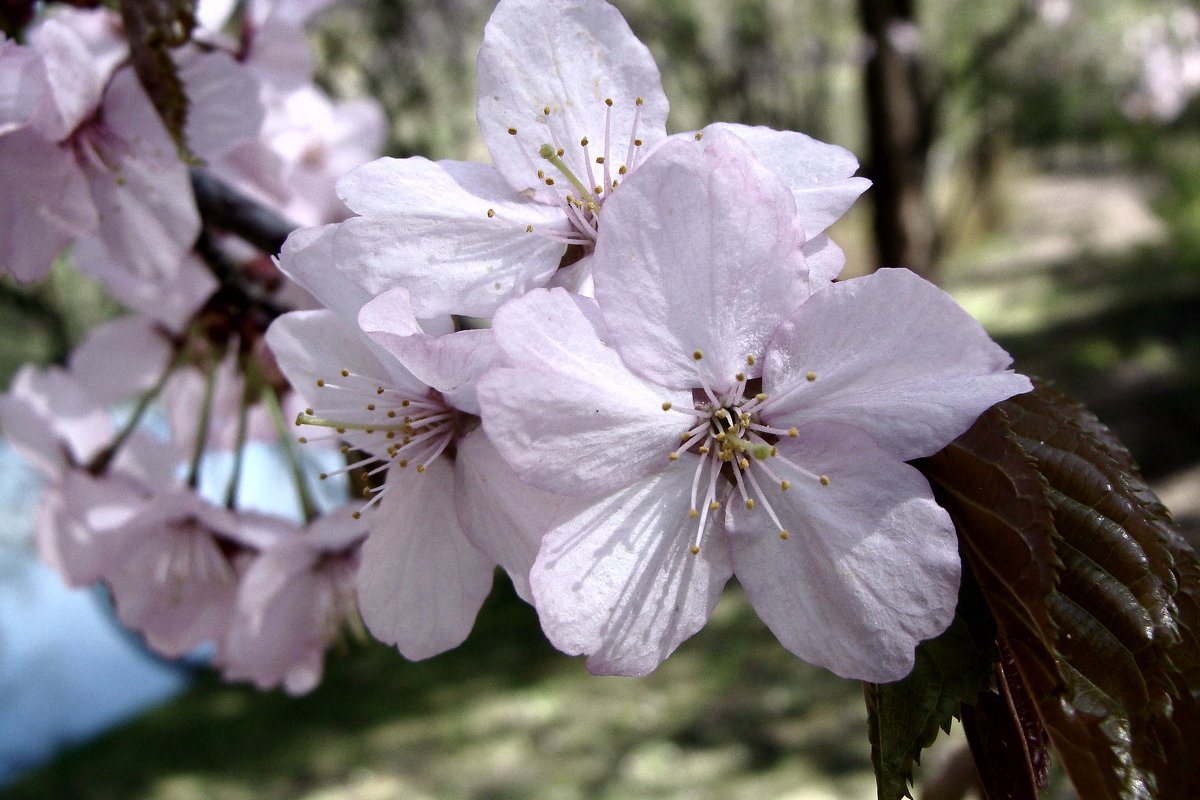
{"type": "Point", "coordinates": [320, 381]}
{"type": "Point", "coordinates": [390, 435]}
{"type": "Point", "coordinates": [340, 430]}
{"type": "Point", "coordinates": [699, 136]}
{"type": "Point", "coordinates": [345, 373]}
{"type": "Point", "coordinates": [749, 503]}
{"type": "Point", "coordinates": [705, 450]}
{"type": "Point", "coordinates": [761, 397]}
{"type": "Point", "coordinates": [785, 485]}
{"type": "Point", "coordinates": [356, 514]}
{"type": "Point", "coordinates": [774, 451]}
{"type": "Point", "coordinates": [366, 492]}
{"type": "Point", "coordinates": [784, 535]}
{"type": "Point", "coordinates": [741, 376]}
{"type": "Point", "coordinates": [674, 456]}
{"type": "Point", "coordinates": [370, 406]}
{"type": "Point", "coordinates": [714, 505]}
{"type": "Point", "coordinates": [622, 170]}
{"type": "Point", "coordinates": [751, 360]}
{"type": "Point", "coordinates": [683, 437]}
{"type": "Point", "coordinates": [541, 173]}
{"type": "Point", "coordinates": [614, 184]}
{"type": "Point", "coordinates": [308, 411]}
{"type": "Point", "coordinates": [546, 110]}
{"type": "Point", "coordinates": [560, 152]}
{"type": "Point", "coordinates": [344, 449]}
{"type": "Point", "coordinates": [824, 480]}
{"type": "Point", "coordinates": [639, 101]}
{"type": "Point", "coordinates": [512, 131]}
{"type": "Point", "coordinates": [491, 213]}
{"type": "Point", "coordinates": [693, 513]}
{"type": "Point", "coordinates": [323, 476]}
{"type": "Point", "coordinates": [743, 463]}
{"type": "Point", "coordinates": [303, 440]}
{"type": "Point", "coordinates": [405, 404]}
{"type": "Point", "coordinates": [608, 102]}
{"type": "Point", "coordinates": [529, 229]}
{"type": "Point", "coordinates": [378, 390]}
{"type": "Point", "coordinates": [792, 432]}
{"type": "Point", "coordinates": [637, 142]}
{"type": "Point", "coordinates": [666, 406]}
{"type": "Point", "coordinates": [599, 159]}
{"type": "Point", "coordinates": [421, 468]}
{"type": "Point", "coordinates": [583, 142]}
{"type": "Point", "coordinates": [597, 190]}
{"type": "Point", "coordinates": [811, 376]}
{"type": "Point", "coordinates": [695, 549]}
{"type": "Point", "coordinates": [403, 463]}
{"type": "Point", "coordinates": [697, 355]}
{"type": "Point", "coordinates": [549, 181]}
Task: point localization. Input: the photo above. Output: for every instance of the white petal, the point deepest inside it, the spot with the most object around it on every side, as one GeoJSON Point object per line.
{"type": "Point", "coordinates": [223, 105]}
{"type": "Point", "coordinates": [425, 227]}
{"type": "Point", "coordinates": [699, 250]}
{"type": "Point", "coordinates": [871, 564]}
{"type": "Point", "coordinates": [502, 516]}
{"type": "Point", "coordinates": [825, 261]}
{"type": "Point", "coordinates": [618, 581]}
{"type": "Point", "coordinates": [820, 175]}
{"type": "Point", "coordinates": [307, 258]}
{"type": "Point", "coordinates": [568, 57]}
{"type": "Point", "coordinates": [421, 583]}
{"type": "Point", "coordinates": [120, 359]}
{"type": "Point", "coordinates": [893, 355]}
{"type": "Point", "coordinates": [568, 415]}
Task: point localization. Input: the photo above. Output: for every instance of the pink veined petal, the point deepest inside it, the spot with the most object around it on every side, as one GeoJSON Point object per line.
{"type": "Point", "coordinates": [820, 175]}
{"type": "Point", "coordinates": [699, 251]}
{"type": "Point", "coordinates": [421, 582]}
{"type": "Point", "coordinates": [223, 105]}
{"type": "Point", "coordinates": [451, 363]}
{"type": "Point", "coordinates": [568, 57]}
{"type": "Point", "coordinates": [892, 354]}
{"type": "Point", "coordinates": [502, 516]}
{"type": "Point", "coordinates": [426, 227]}
{"type": "Point", "coordinates": [148, 217]}
{"type": "Point", "coordinates": [47, 414]}
{"type": "Point", "coordinates": [568, 415]}
{"type": "Point", "coordinates": [870, 567]}
{"type": "Point", "coordinates": [618, 580]}
{"type": "Point", "coordinates": [169, 301]}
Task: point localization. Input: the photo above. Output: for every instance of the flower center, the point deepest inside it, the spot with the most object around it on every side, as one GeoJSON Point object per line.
{"type": "Point", "coordinates": [733, 443]}
{"type": "Point", "coordinates": [581, 192]}
{"type": "Point", "coordinates": [388, 424]}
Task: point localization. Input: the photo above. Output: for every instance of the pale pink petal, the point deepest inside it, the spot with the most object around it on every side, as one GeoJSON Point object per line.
{"type": "Point", "coordinates": [426, 227]}
{"type": "Point", "coordinates": [76, 80]}
{"type": "Point", "coordinates": [148, 217]}
{"type": "Point", "coordinates": [121, 359]}
{"type": "Point", "coordinates": [45, 203]}
{"type": "Point", "coordinates": [567, 57]}
{"type": "Point", "coordinates": [619, 582]}
{"type": "Point", "coordinates": [502, 516]}
{"type": "Point", "coordinates": [451, 363]}
{"type": "Point", "coordinates": [421, 582]}
{"type": "Point", "coordinates": [870, 566]}
{"type": "Point", "coordinates": [715, 273]}
{"type": "Point", "coordinates": [22, 84]}
{"type": "Point", "coordinates": [568, 415]}
{"type": "Point", "coordinates": [891, 354]}
{"type": "Point", "coordinates": [223, 105]}
{"type": "Point", "coordinates": [307, 258]}
{"type": "Point", "coordinates": [820, 175]}
{"type": "Point", "coordinates": [49, 416]}
{"type": "Point", "coordinates": [825, 261]}
{"type": "Point", "coordinates": [171, 301]}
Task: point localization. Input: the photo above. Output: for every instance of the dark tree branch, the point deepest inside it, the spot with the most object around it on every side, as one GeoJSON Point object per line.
{"type": "Point", "coordinates": [224, 207]}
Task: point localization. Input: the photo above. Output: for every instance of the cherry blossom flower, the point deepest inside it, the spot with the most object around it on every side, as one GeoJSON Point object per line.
{"type": "Point", "coordinates": [569, 102]}
{"type": "Point", "coordinates": [723, 417]}
{"type": "Point", "coordinates": [293, 599]}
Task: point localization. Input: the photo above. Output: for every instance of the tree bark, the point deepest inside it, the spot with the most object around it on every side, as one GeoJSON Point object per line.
{"type": "Point", "coordinates": [900, 122]}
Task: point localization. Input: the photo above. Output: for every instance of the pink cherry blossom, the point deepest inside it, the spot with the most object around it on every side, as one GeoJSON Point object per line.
{"type": "Point", "coordinates": [725, 417]}
{"type": "Point", "coordinates": [569, 102]}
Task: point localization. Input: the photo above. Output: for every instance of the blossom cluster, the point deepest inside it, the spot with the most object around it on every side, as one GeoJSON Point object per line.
{"type": "Point", "coordinates": [615, 362]}
{"type": "Point", "coordinates": [1167, 48]}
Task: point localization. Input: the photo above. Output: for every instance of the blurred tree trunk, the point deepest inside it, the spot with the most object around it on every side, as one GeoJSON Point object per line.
{"type": "Point", "coordinates": [900, 121]}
